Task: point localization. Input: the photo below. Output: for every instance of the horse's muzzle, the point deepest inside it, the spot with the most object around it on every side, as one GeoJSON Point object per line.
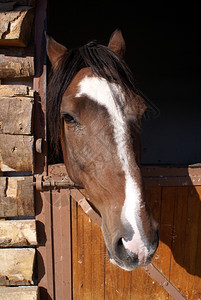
{"type": "Point", "coordinates": [128, 260]}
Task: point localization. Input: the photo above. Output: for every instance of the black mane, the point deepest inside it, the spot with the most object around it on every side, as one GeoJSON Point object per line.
{"type": "Point", "coordinates": [102, 61]}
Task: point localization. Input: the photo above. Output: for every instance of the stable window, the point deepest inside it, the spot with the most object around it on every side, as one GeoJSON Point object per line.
{"type": "Point", "coordinates": [163, 52]}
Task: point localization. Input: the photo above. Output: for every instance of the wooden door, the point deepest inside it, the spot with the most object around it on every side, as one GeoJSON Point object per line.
{"type": "Point", "coordinates": [178, 210]}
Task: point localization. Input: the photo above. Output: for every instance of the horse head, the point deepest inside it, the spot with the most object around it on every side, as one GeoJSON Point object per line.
{"type": "Point", "coordinates": [95, 111]}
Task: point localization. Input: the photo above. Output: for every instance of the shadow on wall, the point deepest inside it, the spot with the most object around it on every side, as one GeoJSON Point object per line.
{"type": "Point", "coordinates": [178, 211]}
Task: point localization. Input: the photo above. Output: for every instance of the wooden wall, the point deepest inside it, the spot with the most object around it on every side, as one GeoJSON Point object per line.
{"type": "Point", "coordinates": [17, 222]}
{"type": "Point", "coordinates": [178, 210]}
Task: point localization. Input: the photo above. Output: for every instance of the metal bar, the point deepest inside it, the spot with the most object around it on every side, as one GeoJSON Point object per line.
{"type": "Point", "coordinates": [48, 185]}
{"type": "Point", "coordinates": [153, 272]}
{"type": "Point", "coordinates": [89, 211]}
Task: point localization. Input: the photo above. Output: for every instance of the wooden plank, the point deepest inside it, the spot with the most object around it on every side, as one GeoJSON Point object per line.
{"type": "Point", "coordinates": [88, 252]}
{"type": "Point", "coordinates": [178, 273]}
{"type": "Point", "coordinates": [16, 63]}
{"type": "Point", "coordinates": [172, 176]}
{"type": "Point", "coordinates": [75, 259]}
{"type": "Point", "coordinates": [16, 115]}
{"type": "Point", "coordinates": [143, 286]}
{"type": "Point", "coordinates": [13, 90]}
{"type": "Point", "coordinates": [45, 256]}
{"type": "Point", "coordinates": [16, 26]}
{"type": "Point", "coordinates": [84, 262]}
{"type": "Point", "coordinates": [197, 274]}
{"type": "Point", "coordinates": [186, 262]}
{"type": "Point", "coordinates": [16, 196]}
{"type": "Point", "coordinates": [117, 282]}
{"type": "Point", "coordinates": [17, 233]}
{"type": "Point", "coordinates": [16, 153]}
{"type": "Point", "coordinates": [16, 267]}
{"type": "Point", "coordinates": [19, 293]}
{"type": "Point", "coordinates": [98, 253]}
{"type": "Point", "coordinates": [166, 229]}
{"type": "Point", "coordinates": [160, 171]}
{"type": "Point", "coordinates": [147, 285]}
{"type": "Point", "coordinates": [62, 237]}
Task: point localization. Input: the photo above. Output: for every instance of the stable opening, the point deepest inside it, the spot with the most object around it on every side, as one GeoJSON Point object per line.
{"type": "Point", "coordinates": [163, 52]}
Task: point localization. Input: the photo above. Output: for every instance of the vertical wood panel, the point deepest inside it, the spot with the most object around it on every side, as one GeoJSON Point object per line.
{"type": "Point", "coordinates": [153, 197]}
{"type": "Point", "coordinates": [75, 273]}
{"type": "Point", "coordinates": [88, 252]}
{"type": "Point", "coordinates": [197, 277]}
{"type": "Point", "coordinates": [145, 288]}
{"type": "Point", "coordinates": [117, 282]}
{"type": "Point", "coordinates": [148, 288]}
{"type": "Point", "coordinates": [178, 275]}
{"type": "Point", "coordinates": [186, 249]}
{"type": "Point", "coordinates": [61, 243]}
{"type": "Point", "coordinates": [166, 229]}
{"type": "Point", "coordinates": [98, 263]}
{"type": "Point", "coordinates": [83, 264]}
{"type": "Point", "coordinates": [81, 238]}
{"type": "Point", "coordinates": [44, 251]}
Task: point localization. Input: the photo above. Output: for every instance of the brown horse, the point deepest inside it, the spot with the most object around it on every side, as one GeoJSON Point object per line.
{"type": "Point", "coordinates": [95, 111]}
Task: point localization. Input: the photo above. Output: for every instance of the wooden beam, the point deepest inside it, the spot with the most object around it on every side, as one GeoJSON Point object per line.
{"type": "Point", "coordinates": [17, 233]}
{"type": "Point", "coordinates": [19, 293]}
{"type": "Point", "coordinates": [16, 62]}
{"type": "Point", "coordinates": [13, 90]}
{"type": "Point", "coordinates": [16, 196]}
{"type": "Point", "coordinates": [171, 176]}
{"type": "Point", "coordinates": [16, 115]}
{"type": "Point", "coordinates": [16, 267]}
{"type": "Point", "coordinates": [16, 153]}
{"type": "Point", "coordinates": [16, 26]}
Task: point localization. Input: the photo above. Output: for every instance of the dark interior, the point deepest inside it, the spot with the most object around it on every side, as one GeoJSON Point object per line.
{"type": "Point", "coordinates": [164, 54]}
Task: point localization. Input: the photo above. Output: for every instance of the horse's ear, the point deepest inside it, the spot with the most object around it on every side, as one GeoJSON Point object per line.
{"type": "Point", "coordinates": [54, 51]}
{"type": "Point", "coordinates": [117, 43]}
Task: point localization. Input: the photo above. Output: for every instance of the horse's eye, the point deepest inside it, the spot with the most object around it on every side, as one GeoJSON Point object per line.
{"type": "Point", "coordinates": [69, 119]}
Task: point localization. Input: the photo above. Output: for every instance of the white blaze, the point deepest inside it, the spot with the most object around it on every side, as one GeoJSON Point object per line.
{"type": "Point", "coordinates": [99, 90]}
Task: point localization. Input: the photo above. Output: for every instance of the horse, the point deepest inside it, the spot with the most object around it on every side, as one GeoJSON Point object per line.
{"type": "Point", "coordinates": [94, 111]}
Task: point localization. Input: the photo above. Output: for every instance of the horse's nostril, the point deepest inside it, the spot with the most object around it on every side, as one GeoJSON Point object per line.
{"type": "Point", "coordinates": [124, 254]}
{"type": "Point", "coordinates": [119, 248]}
{"type": "Point", "coordinates": [120, 243]}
